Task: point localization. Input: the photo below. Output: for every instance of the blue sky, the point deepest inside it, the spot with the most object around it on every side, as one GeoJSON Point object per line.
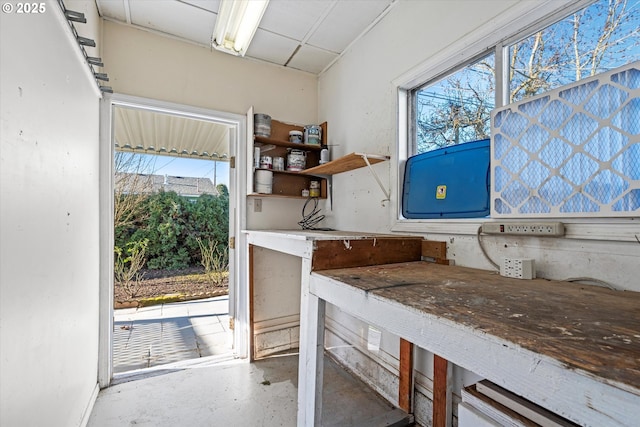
{"type": "Point", "coordinates": [181, 166]}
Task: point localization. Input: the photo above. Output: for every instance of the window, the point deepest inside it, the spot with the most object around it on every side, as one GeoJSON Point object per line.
{"type": "Point", "coordinates": [455, 107]}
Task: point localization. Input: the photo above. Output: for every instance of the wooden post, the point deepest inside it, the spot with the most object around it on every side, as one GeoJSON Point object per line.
{"type": "Point", "coordinates": [405, 388]}
{"type": "Point", "coordinates": [436, 251]}
{"type": "Point", "coordinates": [441, 392]}
{"type": "Point", "coordinates": [252, 354]}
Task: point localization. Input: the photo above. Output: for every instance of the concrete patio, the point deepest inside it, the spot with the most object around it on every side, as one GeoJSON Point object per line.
{"type": "Point", "coordinates": [167, 333]}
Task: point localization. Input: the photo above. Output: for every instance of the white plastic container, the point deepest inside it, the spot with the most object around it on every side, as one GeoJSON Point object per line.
{"type": "Point", "coordinates": [264, 181]}
{"type": "Point", "coordinates": [278, 163]}
{"type": "Point", "coordinates": [324, 156]}
{"type": "Point", "coordinates": [312, 134]}
{"type": "Point", "coordinates": [295, 136]}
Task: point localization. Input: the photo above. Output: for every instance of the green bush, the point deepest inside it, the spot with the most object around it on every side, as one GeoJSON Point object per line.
{"type": "Point", "coordinates": [128, 264]}
{"type": "Point", "coordinates": [173, 224]}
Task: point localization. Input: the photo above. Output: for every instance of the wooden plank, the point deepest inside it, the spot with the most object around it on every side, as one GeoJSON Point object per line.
{"type": "Point", "coordinates": [251, 306]}
{"type": "Point", "coordinates": [324, 136]}
{"type": "Point", "coordinates": [330, 254]}
{"type": "Point", "coordinates": [468, 416]}
{"type": "Point", "coordinates": [280, 130]}
{"type": "Point", "coordinates": [538, 415]}
{"type": "Point", "coordinates": [292, 183]}
{"type": "Point", "coordinates": [405, 388]}
{"type": "Point", "coordinates": [441, 392]}
{"type": "Point", "coordinates": [501, 414]}
{"type": "Point", "coordinates": [433, 249]}
{"type": "Point", "coordinates": [346, 163]}
{"type": "Point", "coordinates": [280, 136]}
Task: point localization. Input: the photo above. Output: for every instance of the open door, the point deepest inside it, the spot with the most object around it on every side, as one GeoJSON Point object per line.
{"type": "Point", "coordinates": [237, 302]}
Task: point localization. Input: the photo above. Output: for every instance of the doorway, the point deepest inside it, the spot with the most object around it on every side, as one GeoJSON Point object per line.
{"type": "Point", "coordinates": [157, 128]}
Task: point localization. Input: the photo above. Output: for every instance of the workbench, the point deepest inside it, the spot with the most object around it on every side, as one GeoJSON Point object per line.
{"type": "Point", "coordinates": [571, 348]}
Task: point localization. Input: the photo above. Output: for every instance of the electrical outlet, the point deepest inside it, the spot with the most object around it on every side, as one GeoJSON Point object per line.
{"type": "Point", "coordinates": [526, 228]}
{"type": "Point", "coordinates": [519, 268]}
{"type": "Point", "coordinates": [257, 205]}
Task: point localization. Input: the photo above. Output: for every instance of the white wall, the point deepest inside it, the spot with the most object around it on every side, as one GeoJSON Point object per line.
{"type": "Point", "coordinates": [48, 223]}
{"type": "Point", "coordinates": [358, 97]}
{"type": "Point", "coordinates": [148, 65]}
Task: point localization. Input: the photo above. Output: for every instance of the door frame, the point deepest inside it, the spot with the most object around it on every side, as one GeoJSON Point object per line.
{"type": "Point", "coordinates": [238, 292]}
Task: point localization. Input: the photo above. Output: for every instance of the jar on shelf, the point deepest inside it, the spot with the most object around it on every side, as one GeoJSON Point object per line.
{"type": "Point", "coordinates": [295, 136]}
{"type": "Point", "coordinates": [262, 125]}
{"type": "Point", "coordinates": [296, 160]}
{"type": "Point", "coordinates": [314, 189]}
{"type": "Point", "coordinates": [312, 134]}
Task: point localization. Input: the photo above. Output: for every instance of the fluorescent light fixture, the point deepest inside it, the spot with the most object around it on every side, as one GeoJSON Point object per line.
{"type": "Point", "coordinates": [236, 24]}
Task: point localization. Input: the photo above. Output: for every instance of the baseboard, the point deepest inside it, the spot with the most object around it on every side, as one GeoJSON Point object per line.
{"type": "Point", "coordinates": [89, 408]}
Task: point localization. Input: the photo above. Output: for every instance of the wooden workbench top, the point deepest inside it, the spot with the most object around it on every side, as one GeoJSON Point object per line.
{"type": "Point", "coordinates": [322, 234]}
{"type": "Point", "coordinates": [585, 327]}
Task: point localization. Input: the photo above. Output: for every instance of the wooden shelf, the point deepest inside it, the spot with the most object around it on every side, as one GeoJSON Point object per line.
{"type": "Point", "coordinates": [281, 171]}
{"type": "Point", "coordinates": [281, 196]}
{"type": "Point", "coordinates": [287, 144]}
{"type": "Point", "coordinates": [286, 184]}
{"type": "Point", "coordinates": [346, 163]}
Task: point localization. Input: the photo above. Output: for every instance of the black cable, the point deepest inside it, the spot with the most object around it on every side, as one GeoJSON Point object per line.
{"type": "Point", "coordinates": [309, 220]}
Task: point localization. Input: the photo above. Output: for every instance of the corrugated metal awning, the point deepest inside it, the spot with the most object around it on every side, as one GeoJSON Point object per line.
{"type": "Point", "coordinates": [151, 132]}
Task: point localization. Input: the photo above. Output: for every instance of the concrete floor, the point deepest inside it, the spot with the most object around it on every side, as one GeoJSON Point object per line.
{"type": "Point", "coordinates": [174, 366]}
{"type": "Point", "coordinates": [166, 333]}
{"type": "Point", "coordinates": [263, 393]}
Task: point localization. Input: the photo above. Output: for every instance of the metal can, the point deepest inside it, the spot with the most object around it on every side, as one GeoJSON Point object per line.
{"type": "Point", "coordinates": [266, 162]}
{"type": "Point", "coordinates": [278, 163]}
{"type": "Point", "coordinates": [296, 160]}
{"type": "Point", "coordinates": [314, 189]}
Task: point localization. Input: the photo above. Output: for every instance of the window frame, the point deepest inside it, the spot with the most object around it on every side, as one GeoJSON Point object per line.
{"type": "Point", "coordinates": [514, 25]}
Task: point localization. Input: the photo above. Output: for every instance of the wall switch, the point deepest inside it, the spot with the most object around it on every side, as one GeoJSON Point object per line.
{"type": "Point", "coordinates": [518, 268]}
{"type": "Point", "coordinates": [257, 205]}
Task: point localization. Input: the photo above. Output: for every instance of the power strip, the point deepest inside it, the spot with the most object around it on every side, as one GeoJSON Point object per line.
{"type": "Point", "coordinates": [524, 228]}
{"type": "Point", "coordinates": [518, 268]}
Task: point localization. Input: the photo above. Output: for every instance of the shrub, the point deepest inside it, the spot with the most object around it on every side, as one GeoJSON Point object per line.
{"type": "Point", "coordinates": [127, 266]}
{"type": "Point", "coordinates": [215, 260]}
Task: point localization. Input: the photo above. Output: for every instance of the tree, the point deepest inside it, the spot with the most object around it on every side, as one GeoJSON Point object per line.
{"type": "Point", "coordinates": [458, 108]}
{"type": "Point", "coordinates": [592, 40]}
{"type": "Point", "coordinates": [131, 189]}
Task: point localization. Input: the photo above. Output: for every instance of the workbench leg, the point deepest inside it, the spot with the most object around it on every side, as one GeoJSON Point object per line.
{"type": "Point", "coordinates": [441, 392]}
{"type": "Point", "coordinates": [311, 360]}
{"type": "Point", "coordinates": [405, 387]}
{"type": "Point", "coordinates": [252, 340]}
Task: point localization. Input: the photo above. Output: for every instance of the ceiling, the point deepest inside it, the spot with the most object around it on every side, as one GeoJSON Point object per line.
{"type": "Point", "coordinates": [307, 35]}
{"type": "Point", "coordinates": [149, 132]}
